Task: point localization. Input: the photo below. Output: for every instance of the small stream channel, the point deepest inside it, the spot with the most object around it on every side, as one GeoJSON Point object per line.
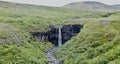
{"type": "Point", "coordinates": [57, 36]}
{"type": "Point", "coordinates": [51, 57]}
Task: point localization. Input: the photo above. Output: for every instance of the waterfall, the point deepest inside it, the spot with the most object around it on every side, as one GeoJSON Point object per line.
{"type": "Point", "coordinates": [59, 37]}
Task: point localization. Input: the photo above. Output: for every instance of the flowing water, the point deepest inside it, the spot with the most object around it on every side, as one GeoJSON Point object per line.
{"type": "Point", "coordinates": [51, 57]}
{"type": "Point", "coordinates": [50, 53]}
{"type": "Point", "coordinates": [59, 37]}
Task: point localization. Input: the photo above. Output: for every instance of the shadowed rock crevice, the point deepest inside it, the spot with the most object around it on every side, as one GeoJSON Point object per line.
{"type": "Point", "coordinates": [68, 31]}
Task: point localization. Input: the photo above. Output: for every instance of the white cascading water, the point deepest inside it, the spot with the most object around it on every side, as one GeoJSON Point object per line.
{"type": "Point", "coordinates": [59, 37]}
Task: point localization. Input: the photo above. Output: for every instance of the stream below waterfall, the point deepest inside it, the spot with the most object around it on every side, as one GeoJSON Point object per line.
{"type": "Point", "coordinates": [58, 36]}
{"type": "Point", "coordinates": [51, 57]}
{"type": "Point", "coordinates": [50, 53]}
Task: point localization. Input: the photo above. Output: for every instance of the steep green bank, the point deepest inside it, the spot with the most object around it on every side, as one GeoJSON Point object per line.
{"type": "Point", "coordinates": [97, 43]}
{"type": "Point", "coordinates": [19, 21]}
{"type": "Point", "coordinates": [28, 53]}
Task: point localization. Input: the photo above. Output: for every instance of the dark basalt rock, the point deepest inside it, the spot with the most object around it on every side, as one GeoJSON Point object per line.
{"type": "Point", "coordinates": [68, 31]}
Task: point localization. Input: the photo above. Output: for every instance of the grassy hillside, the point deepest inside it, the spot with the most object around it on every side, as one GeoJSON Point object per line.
{"type": "Point", "coordinates": [19, 21]}
{"type": "Point", "coordinates": [92, 6]}
{"type": "Point", "coordinates": [97, 43]}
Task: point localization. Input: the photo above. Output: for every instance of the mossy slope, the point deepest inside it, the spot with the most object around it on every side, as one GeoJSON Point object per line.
{"type": "Point", "coordinates": [97, 43]}
{"type": "Point", "coordinates": [19, 21]}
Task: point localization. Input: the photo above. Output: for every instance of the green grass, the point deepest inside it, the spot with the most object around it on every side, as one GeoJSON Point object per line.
{"type": "Point", "coordinates": [19, 21]}
{"type": "Point", "coordinates": [3, 33]}
{"type": "Point", "coordinates": [97, 43]}
{"type": "Point", "coordinates": [26, 53]}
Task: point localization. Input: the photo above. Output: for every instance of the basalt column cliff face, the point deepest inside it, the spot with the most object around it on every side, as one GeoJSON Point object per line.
{"type": "Point", "coordinates": [67, 32]}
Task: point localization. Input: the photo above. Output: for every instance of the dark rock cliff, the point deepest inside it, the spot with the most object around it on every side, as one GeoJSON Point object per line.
{"type": "Point", "coordinates": [68, 31]}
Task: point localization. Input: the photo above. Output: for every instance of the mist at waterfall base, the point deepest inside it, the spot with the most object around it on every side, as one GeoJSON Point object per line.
{"type": "Point", "coordinates": [58, 35]}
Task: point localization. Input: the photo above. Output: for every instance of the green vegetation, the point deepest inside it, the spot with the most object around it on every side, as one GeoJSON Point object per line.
{"type": "Point", "coordinates": [93, 6]}
{"type": "Point", "coordinates": [3, 33]}
{"type": "Point", "coordinates": [25, 53]}
{"type": "Point", "coordinates": [19, 21]}
{"type": "Point", "coordinates": [97, 43]}
{"type": "Point", "coordinates": [38, 18]}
